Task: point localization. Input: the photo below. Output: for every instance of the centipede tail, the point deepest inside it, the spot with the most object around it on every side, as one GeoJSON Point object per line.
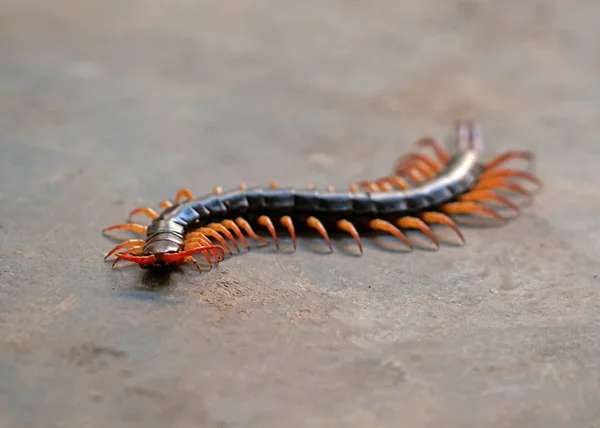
{"type": "Point", "coordinates": [423, 190]}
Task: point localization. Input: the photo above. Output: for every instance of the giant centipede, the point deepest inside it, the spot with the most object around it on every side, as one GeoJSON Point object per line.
{"type": "Point", "coordinates": [422, 191]}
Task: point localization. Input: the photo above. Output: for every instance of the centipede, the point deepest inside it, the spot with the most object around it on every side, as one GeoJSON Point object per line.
{"type": "Point", "coordinates": [421, 191]}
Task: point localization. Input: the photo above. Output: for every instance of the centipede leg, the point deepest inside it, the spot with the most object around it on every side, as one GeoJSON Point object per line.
{"type": "Point", "coordinates": [428, 161]}
{"type": "Point", "coordinates": [386, 226]}
{"type": "Point", "coordinates": [199, 238]}
{"type": "Point", "coordinates": [417, 165]}
{"type": "Point", "coordinates": [416, 223]}
{"type": "Point", "coordinates": [191, 245]}
{"type": "Point", "coordinates": [346, 226]}
{"type": "Point", "coordinates": [165, 204]}
{"type": "Point", "coordinates": [148, 211]}
{"type": "Point", "coordinates": [439, 151]}
{"type": "Point", "coordinates": [243, 223]}
{"type": "Point", "coordinates": [315, 223]}
{"type": "Point", "coordinates": [511, 173]}
{"type": "Point", "coordinates": [265, 221]}
{"type": "Point", "coordinates": [435, 217]}
{"type": "Point", "coordinates": [190, 259]}
{"type": "Point", "coordinates": [211, 232]}
{"type": "Point", "coordinates": [137, 228]}
{"type": "Point", "coordinates": [230, 224]}
{"type": "Point", "coordinates": [129, 243]}
{"type": "Point", "coordinates": [502, 184]}
{"type": "Point", "coordinates": [488, 195]}
{"type": "Point", "coordinates": [286, 221]}
{"type": "Point", "coordinates": [507, 157]}
{"type": "Point", "coordinates": [222, 229]}
{"type": "Point", "coordinates": [453, 208]}
{"type": "Point", "coordinates": [183, 193]}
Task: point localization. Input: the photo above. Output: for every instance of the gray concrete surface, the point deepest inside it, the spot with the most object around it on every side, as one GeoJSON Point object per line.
{"type": "Point", "coordinates": [107, 105]}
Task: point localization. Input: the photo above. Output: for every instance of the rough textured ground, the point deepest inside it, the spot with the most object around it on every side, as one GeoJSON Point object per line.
{"type": "Point", "coordinates": [107, 105]}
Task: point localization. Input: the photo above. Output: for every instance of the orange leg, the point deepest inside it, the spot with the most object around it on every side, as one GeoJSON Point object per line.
{"type": "Point", "coordinates": [148, 211]}
{"type": "Point", "coordinates": [286, 221]}
{"type": "Point", "coordinates": [508, 156]}
{"type": "Point", "coordinates": [396, 181]}
{"type": "Point", "coordinates": [218, 190]}
{"type": "Point", "coordinates": [222, 229]}
{"type": "Point", "coordinates": [386, 226]}
{"type": "Point", "coordinates": [242, 186]}
{"type": "Point", "coordinates": [265, 221]}
{"type": "Point", "coordinates": [416, 223]}
{"type": "Point", "coordinates": [384, 186]}
{"type": "Point", "coordinates": [435, 217]}
{"type": "Point", "coordinates": [439, 151]}
{"type": "Point", "coordinates": [367, 185]}
{"type": "Point", "coordinates": [418, 165]}
{"type": "Point", "coordinates": [165, 204]}
{"type": "Point", "coordinates": [511, 173]}
{"type": "Point", "coordinates": [131, 243]}
{"type": "Point", "coordinates": [502, 183]}
{"type": "Point", "coordinates": [315, 223]}
{"type": "Point", "coordinates": [488, 195]}
{"type": "Point", "coordinates": [230, 224]}
{"type": "Point", "coordinates": [211, 232]}
{"type": "Point", "coordinates": [243, 223]}
{"type": "Point", "coordinates": [190, 259]}
{"type": "Point", "coordinates": [197, 237]}
{"type": "Point", "coordinates": [346, 226]}
{"type": "Point", "coordinates": [137, 228]}
{"type": "Point", "coordinates": [453, 208]}
{"type": "Point", "coordinates": [272, 185]}
{"type": "Point", "coordinates": [191, 245]}
{"type": "Point", "coordinates": [183, 193]}
{"type": "Point", "coordinates": [431, 164]}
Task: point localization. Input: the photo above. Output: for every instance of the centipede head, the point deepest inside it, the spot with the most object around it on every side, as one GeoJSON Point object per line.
{"type": "Point", "coordinates": [165, 253]}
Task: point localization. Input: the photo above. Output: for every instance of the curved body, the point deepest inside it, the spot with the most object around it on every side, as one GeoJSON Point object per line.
{"type": "Point", "coordinates": [457, 186]}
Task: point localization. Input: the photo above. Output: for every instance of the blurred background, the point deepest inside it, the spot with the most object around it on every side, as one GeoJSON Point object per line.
{"type": "Point", "coordinates": [109, 105]}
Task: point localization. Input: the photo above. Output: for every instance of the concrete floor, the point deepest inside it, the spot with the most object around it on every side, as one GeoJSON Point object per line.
{"type": "Point", "coordinates": [108, 105]}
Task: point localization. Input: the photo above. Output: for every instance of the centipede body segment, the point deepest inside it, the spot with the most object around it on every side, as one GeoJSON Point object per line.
{"type": "Point", "coordinates": [421, 191]}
